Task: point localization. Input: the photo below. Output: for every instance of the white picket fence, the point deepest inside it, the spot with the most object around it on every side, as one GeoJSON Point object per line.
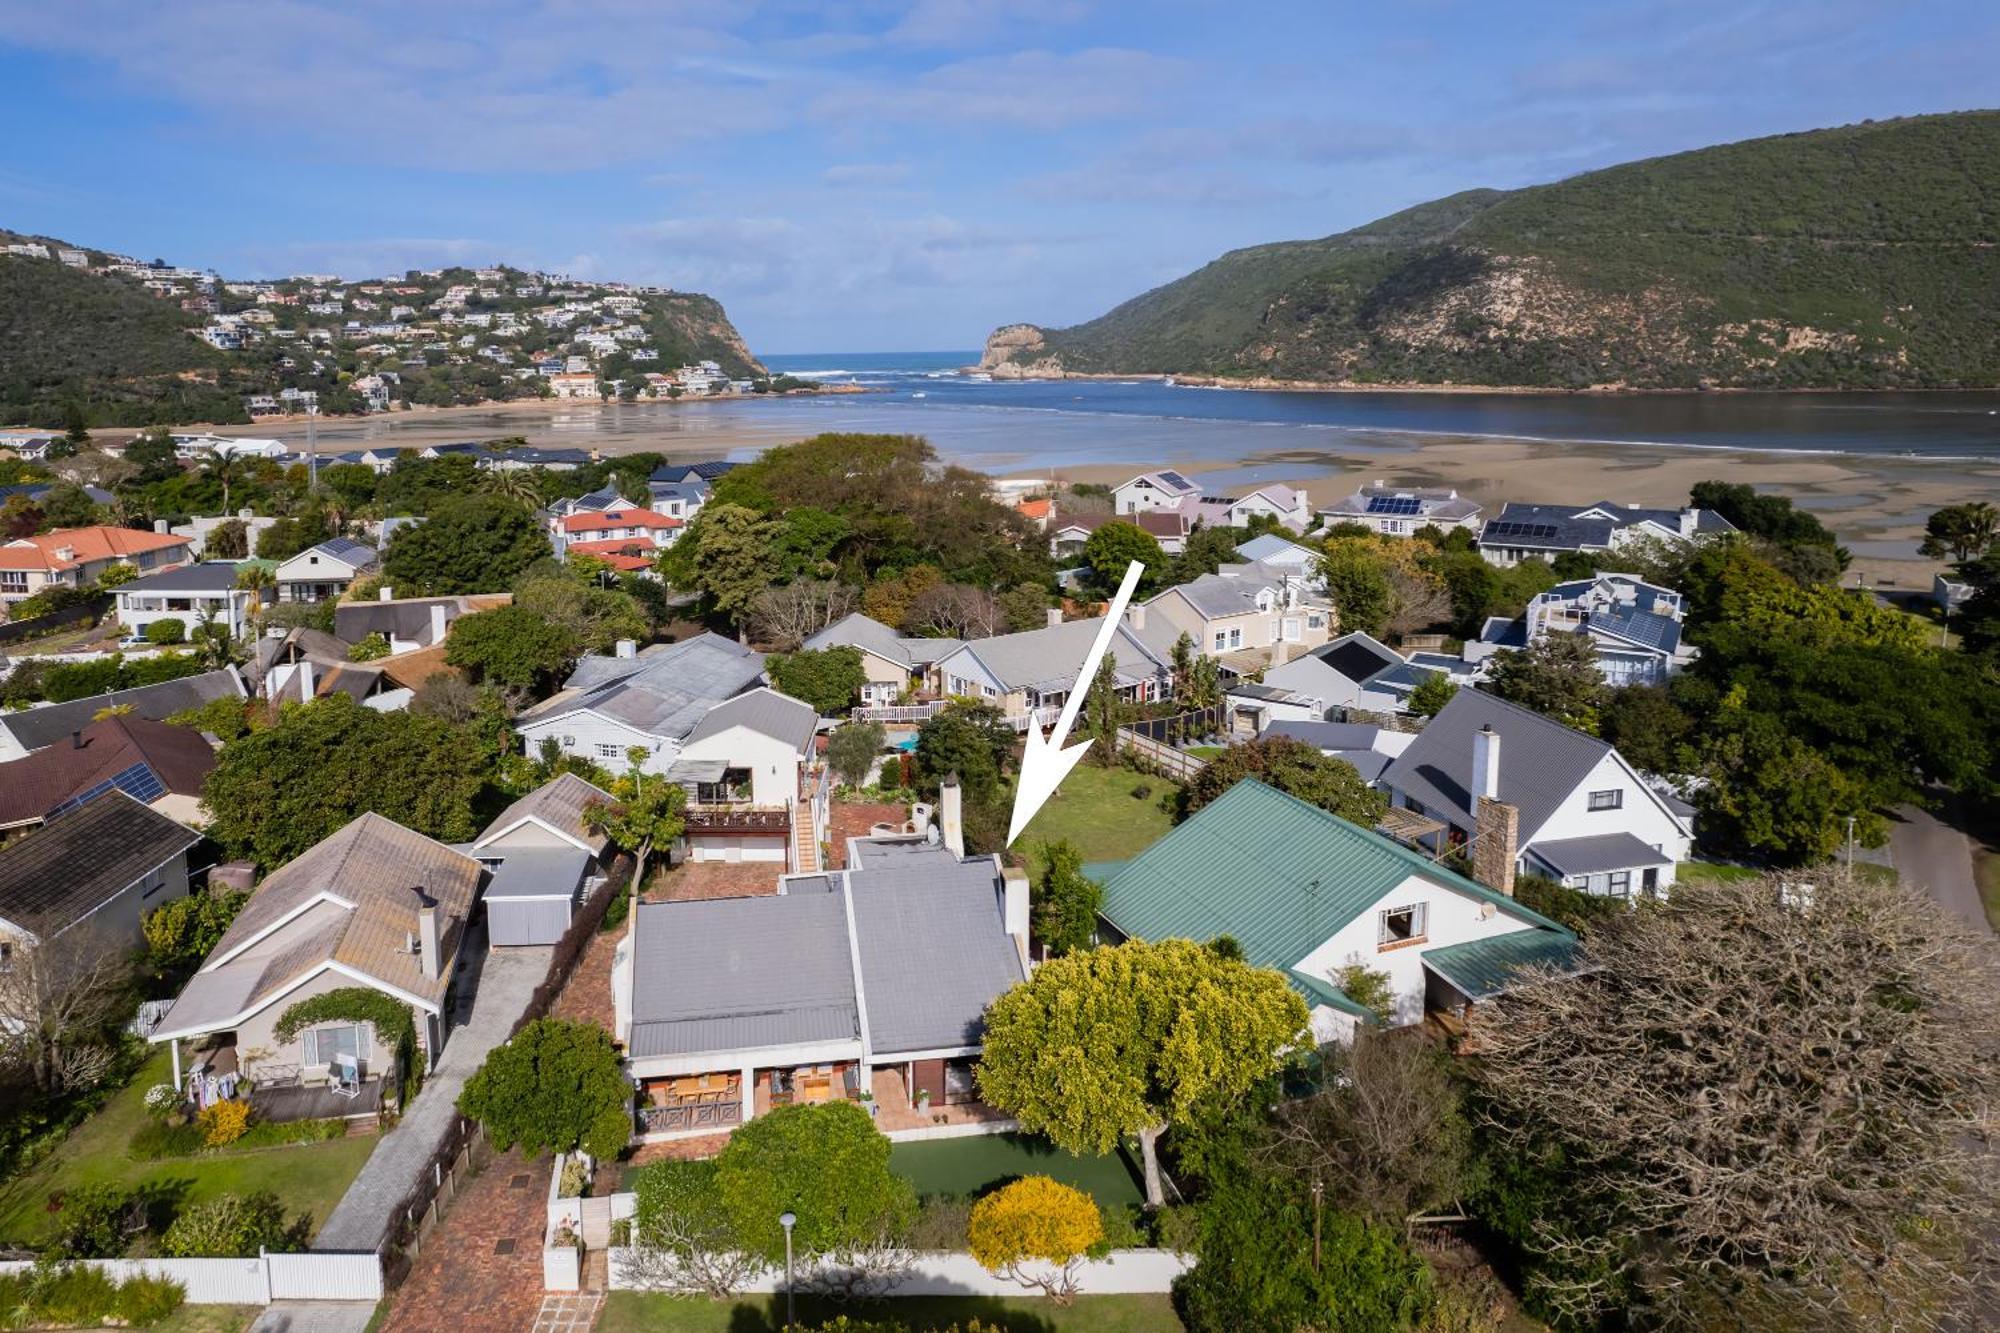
{"type": "Point", "coordinates": [318, 1276]}
{"type": "Point", "coordinates": [952, 1274]}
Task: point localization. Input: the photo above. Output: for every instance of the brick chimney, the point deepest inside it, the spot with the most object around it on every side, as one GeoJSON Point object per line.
{"type": "Point", "coordinates": [1496, 844]}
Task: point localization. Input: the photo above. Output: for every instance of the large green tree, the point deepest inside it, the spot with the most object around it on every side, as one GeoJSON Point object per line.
{"type": "Point", "coordinates": [1557, 676]}
{"type": "Point", "coordinates": [825, 1164]}
{"type": "Point", "coordinates": [727, 556]}
{"type": "Point", "coordinates": [277, 791]}
{"type": "Point", "coordinates": [1064, 912]}
{"type": "Point", "coordinates": [1112, 548]}
{"type": "Point", "coordinates": [1135, 1038]}
{"type": "Point", "coordinates": [1961, 531]}
{"type": "Point", "coordinates": [971, 740]}
{"type": "Point", "coordinates": [555, 1084]}
{"type": "Point", "coordinates": [1291, 766]}
{"type": "Point", "coordinates": [830, 679]}
{"type": "Point", "coordinates": [511, 645]}
{"type": "Point", "coordinates": [473, 543]}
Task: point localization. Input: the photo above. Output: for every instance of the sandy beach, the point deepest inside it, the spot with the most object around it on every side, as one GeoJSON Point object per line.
{"type": "Point", "coordinates": [1876, 503]}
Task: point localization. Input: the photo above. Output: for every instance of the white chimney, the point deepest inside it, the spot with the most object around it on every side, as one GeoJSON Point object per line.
{"type": "Point", "coordinates": [951, 815]}
{"type": "Point", "coordinates": [305, 679]}
{"type": "Point", "coordinates": [437, 622]}
{"type": "Point", "coordinates": [246, 514]}
{"type": "Point", "coordinates": [385, 593]}
{"type": "Point", "coordinates": [1135, 615]}
{"type": "Point", "coordinates": [1055, 615]}
{"type": "Point", "coordinates": [1486, 763]}
{"type": "Point", "coordinates": [625, 648]}
{"type": "Point", "coordinates": [161, 525]}
{"type": "Point", "coordinates": [427, 938]}
{"type": "Point", "coordinates": [1014, 905]}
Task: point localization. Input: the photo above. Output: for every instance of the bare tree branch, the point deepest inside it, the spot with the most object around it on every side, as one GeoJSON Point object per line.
{"type": "Point", "coordinates": [787, 616]}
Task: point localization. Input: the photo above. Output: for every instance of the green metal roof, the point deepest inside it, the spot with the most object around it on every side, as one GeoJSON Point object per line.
{"type": "Point", "coordinates": [1279, 876]}
{"type": "Point", "coordinates": [1484, 968]}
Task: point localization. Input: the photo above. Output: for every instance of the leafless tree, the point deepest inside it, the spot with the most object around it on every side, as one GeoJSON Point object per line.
{"type": "Point", "coordinates": [1417, 601]}
{"type": "Point", "coordinates": [61, 1001]}
{"type": "Point", "coordinates": [677, 1254]}
{"type": "Point", "coordinates": [1774, 1098]}
{"type": "Point", "coordinates": [787, 616]}
{"type": "Point", "coordinates": [1387, 1134]}
{"type": "Point", "coordinates": [956, 610]}
{"type": "Point", "coordinates": [863, 1271]}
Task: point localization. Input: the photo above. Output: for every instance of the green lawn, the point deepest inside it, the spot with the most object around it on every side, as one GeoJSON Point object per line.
{"type": "Point", "coordinates": [309, 1176]}
{"type": "Point", "coordinates": [965, 1167]}
{"type": "Point", "coordinates": [1096, 810]}
{"type": "Point", "coordinates": [1710, 872]}
{"type": "Point", "coordinates": [631, 1311]}
{"type": "Point", "coordinates": [209, 1319]}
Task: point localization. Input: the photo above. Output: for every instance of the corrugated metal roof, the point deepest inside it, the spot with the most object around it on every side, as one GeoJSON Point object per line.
{"type": "Point", "coordinates": [1279, 876]}
{"type": "Point", "coordinates": [1541, 760]}
{"type": "Point", "coordinates": [1051, 656]}
{"type": "Point", "coordinates": [764, 711]}
{"type": "Point", "coordinates": [35, 727]}
{"type": "Point", "coordinates": [934, 949]}
{"type": "Point", "coordinates": [1486, 967]}
{"type": "Point", "coordinates": [537, 872]}
{"type": "Point", "coordinates": [738, 973]}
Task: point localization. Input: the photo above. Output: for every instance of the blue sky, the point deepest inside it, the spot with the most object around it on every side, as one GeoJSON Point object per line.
{"type": "Point", "coordinates": [897, 175]}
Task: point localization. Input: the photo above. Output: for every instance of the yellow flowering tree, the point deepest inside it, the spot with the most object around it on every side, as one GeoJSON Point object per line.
{"type": "Point", "coordinates": [1036, 1219]}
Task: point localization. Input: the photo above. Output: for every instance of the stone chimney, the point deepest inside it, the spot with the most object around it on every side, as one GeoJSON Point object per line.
{"type": "Point", "coordinates": [625, 648]}
{"type": "Point", "coordinates": [1486, 763]}
{"type": "Point", "coordinates": [951, 815]}
{"type": "Point", "coordinates": [1055, 615]}
{"type": "Point", "coordinates": [1496, 844]}
{"type": "Point", "coordinates": [429, 952]}
{"type": "Point", "coordinates": [1014, 906]}
{"type": "Point", "coordinates": [437, 622]}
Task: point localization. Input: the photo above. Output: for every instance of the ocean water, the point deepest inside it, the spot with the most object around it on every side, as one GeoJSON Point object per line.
{"type": "Point", "coordinates": [925, 393]}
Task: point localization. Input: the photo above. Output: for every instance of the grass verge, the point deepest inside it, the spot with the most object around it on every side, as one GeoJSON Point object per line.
{"type": "Point", "coordinates": [630, 1312]}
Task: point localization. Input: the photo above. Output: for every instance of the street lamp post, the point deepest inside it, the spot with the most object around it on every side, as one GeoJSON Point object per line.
{"type": "Point", "coordinates": [788, 1221]}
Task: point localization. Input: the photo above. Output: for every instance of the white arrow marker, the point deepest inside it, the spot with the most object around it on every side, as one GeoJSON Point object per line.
{"type": "Point", "coordinates": [1045, 763]}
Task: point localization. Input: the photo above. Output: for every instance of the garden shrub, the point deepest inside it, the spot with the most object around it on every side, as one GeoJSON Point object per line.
{"type": "Point", "coordinates": [166, 632]}
{"type": "Point", "coordinates": [145, 1301]}
{"type": "Point", "coordinates": [555, 1084]}
{"type": "Point", "coordinates": [940, 1223]}
{"type": "Point", "coordinates": [95, 1221]}
{"type": "Point", "coordinates": [274, 1134]}
{"type": "Point", "coordinates": [371, 648]}
{"type": "Point", "coordinates": [827, 1164]}
{"type": "Point", "coordinates": [1036, 1219]}
{"type": "Point", "coordinates": [163, 1099]}
{"type": "Point", "coordinates": [233, 1226]}
{"type": "Point", "coordinates": [222, 1123]}
{"type": "Point", "coordinates": [69, 1294]}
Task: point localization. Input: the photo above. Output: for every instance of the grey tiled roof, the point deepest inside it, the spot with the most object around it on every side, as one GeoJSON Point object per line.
{"type": "Point", "coordinates": [859, 631]}
{"type": "Point", "coordinates": [35, 727]}
{"type": "Point", "coordinates": [208, 576]}
{"type": "Point", "coordinates": [1541, 761]}
{"type": "Point", "coordinates": [79, 861]}
{"type": "Point", "coordinates": [1598, 853]}
{"type": "Point", "coordinates": [1327, 735]}
{"type": "Point", "coordinates": [934, 949]}
{"type": "Point", "coordinates": [740, 973]}
{"type": "Point", "coordinates": [1233, 589]}
{"type": "Point", "coordinates": [537, 872]}
{"type": "Point", "coordinates": [764, 711]}
{"type": "Point", "coordinates": [1051, 657]}
{"type": "Point", "coordinates": [558, 803]}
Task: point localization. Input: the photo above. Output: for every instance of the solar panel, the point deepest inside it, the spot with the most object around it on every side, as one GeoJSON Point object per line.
{"type": "Point", "coordinates": [139, 782]}
{"type": "Point", "coordinates": [1394, 504]}
{"type": "Point", "coordinates": [1540, 531]}
{"type": "Point", "coordinates": [1175, 479]}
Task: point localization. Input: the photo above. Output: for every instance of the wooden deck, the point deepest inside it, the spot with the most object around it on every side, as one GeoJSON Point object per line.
{"type": "Point", "coordinates": [293, 1102]}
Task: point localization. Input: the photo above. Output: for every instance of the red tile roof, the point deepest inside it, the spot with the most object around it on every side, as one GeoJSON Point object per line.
{"type": "Point", "coordinates": [99, 542]}
{"type": "Point", "coordinates": [595, 521]}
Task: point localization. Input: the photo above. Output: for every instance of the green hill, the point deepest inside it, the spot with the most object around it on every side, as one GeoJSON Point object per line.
{"type": "Point", "coordinates": [93, 337]}
{"type": "Point", "coordinates": [1857, 257]}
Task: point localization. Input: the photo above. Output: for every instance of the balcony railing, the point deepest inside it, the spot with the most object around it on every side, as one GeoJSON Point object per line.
{"type": "Point", "coordinates": [691, 1115]}
{"type": "Point", "coordinates": [739, 818]}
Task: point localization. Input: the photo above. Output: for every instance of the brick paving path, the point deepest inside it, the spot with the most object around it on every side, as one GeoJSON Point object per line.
{"type": "Point", "coordinates": [855, 819]}
{"type": "Point", "coordinates": [461, 1283]}
{"type": "Point", "coordinates": [695, 880]}
{"type": "Point", "coordinates": [586, 996]}
{"type": "Point", "coordinates": [679, 1150]}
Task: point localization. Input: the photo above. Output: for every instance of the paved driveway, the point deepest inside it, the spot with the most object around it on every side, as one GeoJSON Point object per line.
{"type": "Point", "coordinates": [500, 992]}
{"type": "Point", "coordinates": [1932, 855]}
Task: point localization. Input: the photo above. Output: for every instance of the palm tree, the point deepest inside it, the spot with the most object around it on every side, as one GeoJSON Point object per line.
{"type": "Point", "coordinates": [224, 467]}
{"type": "Point", "coordinates": [512, 483]}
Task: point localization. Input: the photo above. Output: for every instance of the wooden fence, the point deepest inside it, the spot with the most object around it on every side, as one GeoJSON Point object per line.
{"type": "Point", "coordinates": [1162, 759]}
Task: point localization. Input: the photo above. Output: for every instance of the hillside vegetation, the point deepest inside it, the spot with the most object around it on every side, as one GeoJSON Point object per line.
{"type": "Point", "coordinates": [1857, 257]}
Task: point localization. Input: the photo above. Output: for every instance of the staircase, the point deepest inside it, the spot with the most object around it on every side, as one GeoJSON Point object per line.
{"type": "Point", "coordinates": [805, 839]}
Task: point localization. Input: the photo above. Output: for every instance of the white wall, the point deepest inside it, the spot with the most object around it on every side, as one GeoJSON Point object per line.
{"type": "Point", "coordinates": [1642, 815]}
{"type": "Point", "coordinates": [586, 731]}
{"type": "Point", "coordinates": [258, 1280]}
{"type": "Point", "coordinates": [1453, 918]}
{"type": "Point", "coordinates": [951, 1274]}
{"type": "Point", "coordinates": [773, 764]}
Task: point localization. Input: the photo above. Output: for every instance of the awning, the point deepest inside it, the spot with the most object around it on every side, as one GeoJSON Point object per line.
{"type": "Point", "coordinates": [1407, 825]}
{"type": "Point", "coordinates": [1481, 969]}
{"type": "Point", "coordinates": [1598, 854]}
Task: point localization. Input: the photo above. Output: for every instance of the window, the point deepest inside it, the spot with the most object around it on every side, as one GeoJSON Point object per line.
{"type": "Point", "coordinates": [1314, 620]}
{"type": "Point", "coordinates": [13, 580]}
{"type": "Point", "coordinates": [1621, 884]}
{"type": "Point", "coordinates": [1608, 800]}
{"type": "Point", "coordinates": [1401, 925]}
{"type": "Point", "coordinates": [1236, 638]}
{"type": "Point", "coordinates": [154, 881]}
{"type": "Point", "coordinates": [1221, 641]}
{"type": "Point", "coordinates": [607, 750]}
{"type": "Point", "coordinates": [323, 1044]}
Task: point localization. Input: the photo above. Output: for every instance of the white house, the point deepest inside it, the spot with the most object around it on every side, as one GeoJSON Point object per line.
{"type": "Point", "coordinates": [325, 570]}
{"type": "Point", "coordinates": [647, 700]}
{"type": "Point", "coordinates": [96, 865]}
{"type": "Point", "coordinates": [1585, 816]}
{"type": "Point", "coordinates": [747, 755]}
{"type": "Point", "coordinates": [1399, 511]}
{"type": "Point", "coordinates": [1028, 675]}
{"type": "Point", "coordinates": [193, 595]}
{"type": "Point", "coordinates": [1153, 490]}
{"type": "Point", "coordinates": [1634, 625]}
{"type": "Point", "coordinates": [1544, 531]}
{"type": "Point", "coordinates": [1354, 671]}
{"type": "Point", "coordinates": [890, 663]}
{"type": "Point", "coordinates": [1311, 895]}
